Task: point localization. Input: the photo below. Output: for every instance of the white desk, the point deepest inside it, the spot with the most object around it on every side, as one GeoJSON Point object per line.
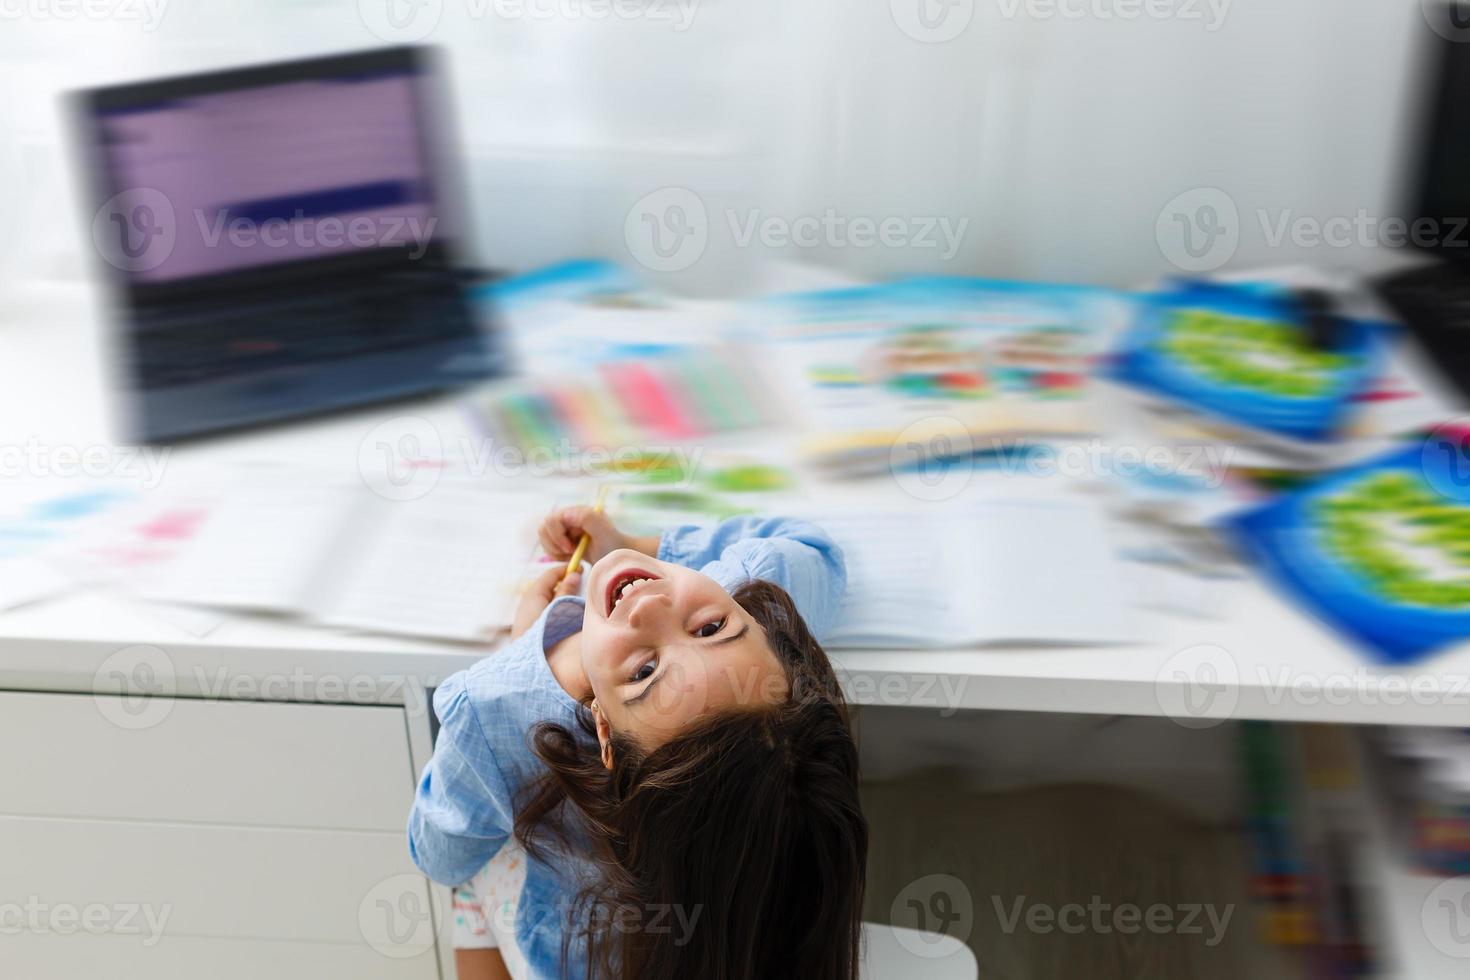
{"type": "Point", "coordinates": [1262, 661]}
{"type": "Point", "coordinates": [1274, 663]}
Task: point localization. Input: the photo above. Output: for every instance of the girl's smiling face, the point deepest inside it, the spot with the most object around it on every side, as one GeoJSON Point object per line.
{"type": "Point", "coordinates": [664, 645]}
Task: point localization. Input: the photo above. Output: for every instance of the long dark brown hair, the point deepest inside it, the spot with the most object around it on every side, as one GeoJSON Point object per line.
{"type": "Point", "coordinates": [736, 851]}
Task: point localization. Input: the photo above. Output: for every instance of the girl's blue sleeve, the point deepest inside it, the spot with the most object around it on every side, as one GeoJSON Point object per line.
{"type": "Point", "coordinates": [461, 810]}
{"type": "Point", "coordinates": [796, 555]}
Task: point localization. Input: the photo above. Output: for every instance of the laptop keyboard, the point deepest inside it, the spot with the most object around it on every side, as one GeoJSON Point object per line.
{"type": "Point", "coordinates": [188, 346]}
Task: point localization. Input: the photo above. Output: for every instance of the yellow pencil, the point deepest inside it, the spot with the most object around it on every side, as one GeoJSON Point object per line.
{"type": "Point", "coordinates": [581, 549]}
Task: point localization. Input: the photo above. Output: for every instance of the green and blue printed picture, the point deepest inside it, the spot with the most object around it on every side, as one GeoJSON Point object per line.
{"type": "Point", "coordinates": [1380, 551]}
{"type": "Point", "coordinates": [1240, 353]}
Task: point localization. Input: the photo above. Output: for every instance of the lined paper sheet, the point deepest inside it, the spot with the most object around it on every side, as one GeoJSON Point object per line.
{"type": "Point", "coordinates": [446, 566]}
{"type": "Point", "coordinates": [979, 572]}
{"type": "Point", "coordinates": [896, 580]}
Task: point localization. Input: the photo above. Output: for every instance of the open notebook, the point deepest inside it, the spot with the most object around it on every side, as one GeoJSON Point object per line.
{"type": "Point", "coordinates": [446, 565]}
{"type": "Point", "coordinates": [993, 571]}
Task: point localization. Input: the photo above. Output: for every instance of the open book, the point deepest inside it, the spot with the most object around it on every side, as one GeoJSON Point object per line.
{"type": "Point", "coordinates": [994, 571]}
{"type": "Point", "coordinates": [445, 565]}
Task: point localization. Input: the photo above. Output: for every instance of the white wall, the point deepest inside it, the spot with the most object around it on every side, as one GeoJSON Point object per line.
{"type": "Point", "coordinates": [1059, 138]}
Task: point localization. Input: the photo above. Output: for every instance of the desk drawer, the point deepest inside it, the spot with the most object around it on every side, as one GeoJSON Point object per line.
{"type": "Point", "coordinates": [219, 762]}
{"type": "Point", "coordinates": [358, 891]}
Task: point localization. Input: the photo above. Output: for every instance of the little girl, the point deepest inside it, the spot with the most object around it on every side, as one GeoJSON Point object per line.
{"type": "Point", "coordinates": [672, 749]}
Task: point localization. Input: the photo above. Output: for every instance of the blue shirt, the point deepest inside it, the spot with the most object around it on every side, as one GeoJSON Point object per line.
{"type": "Point", "coordinates": [463, 810]}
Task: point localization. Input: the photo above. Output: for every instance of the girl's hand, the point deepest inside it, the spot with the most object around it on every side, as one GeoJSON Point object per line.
{"type": "Point", "coordinates": [546, 586]}
{"type": "Point", "coordinates": [562, 529]}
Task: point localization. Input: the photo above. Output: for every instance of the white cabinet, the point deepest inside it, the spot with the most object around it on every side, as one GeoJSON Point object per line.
{"type": "Point", "coordinates": [220, 839]}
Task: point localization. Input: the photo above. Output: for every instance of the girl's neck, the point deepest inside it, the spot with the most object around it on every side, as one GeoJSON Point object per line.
{"type": "Point", "coordinates": [565, 660]}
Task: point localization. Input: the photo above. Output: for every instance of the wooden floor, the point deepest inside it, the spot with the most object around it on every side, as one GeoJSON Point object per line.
{"type": "Point", "coordinates": [1006, 861]}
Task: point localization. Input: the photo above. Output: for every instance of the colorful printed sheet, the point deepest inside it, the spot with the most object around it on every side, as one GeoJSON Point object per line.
{"type": "Point", "coordinates": [608, 365]}
{"type": "Point", "coordinates": [1380, 551]}
{"type": "Point", "coordinates": [1004, 360]}
{"type": "Point", "coordinates": [1238, 352]}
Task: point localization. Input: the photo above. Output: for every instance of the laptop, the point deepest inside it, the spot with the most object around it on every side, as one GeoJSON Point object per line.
{"type": "Point", "coordinates": [282, 241]}
{"type": "Point", "coordinates": [1433, 299]}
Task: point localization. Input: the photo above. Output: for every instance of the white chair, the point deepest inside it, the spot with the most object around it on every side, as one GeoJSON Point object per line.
{"type": "Point", "coordinates": [896, 953]}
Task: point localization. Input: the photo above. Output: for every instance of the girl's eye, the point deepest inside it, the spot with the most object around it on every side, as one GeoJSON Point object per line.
{"type": "Point", "coordinates": [710, 629]}
{"type": "Point", "coordinates": [645, 672]}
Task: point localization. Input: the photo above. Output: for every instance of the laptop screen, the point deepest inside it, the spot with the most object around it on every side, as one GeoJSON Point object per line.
{"type": "Point", "coordinates": [1443, 204]}
{"type": "Point", "coordinates": [279, 173]}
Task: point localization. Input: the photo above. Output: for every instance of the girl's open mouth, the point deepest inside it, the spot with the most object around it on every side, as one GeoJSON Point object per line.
{"type": "Point", "coordinates": [624, 584]}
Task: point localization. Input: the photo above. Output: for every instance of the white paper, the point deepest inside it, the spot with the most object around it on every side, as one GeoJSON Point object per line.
{"type": "Point", "coordinates": [898, 589]}
{"type": "Point", "coordinates": [986, 572]}
{"type": "Point", "coordinates": [27, 580]}
{"type": "Point", "coordinates": [446, 565]}
{"type": "Point", "coordinates": [261, 548]}
{"type": "Point", "coordinates": [1045, 571]}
